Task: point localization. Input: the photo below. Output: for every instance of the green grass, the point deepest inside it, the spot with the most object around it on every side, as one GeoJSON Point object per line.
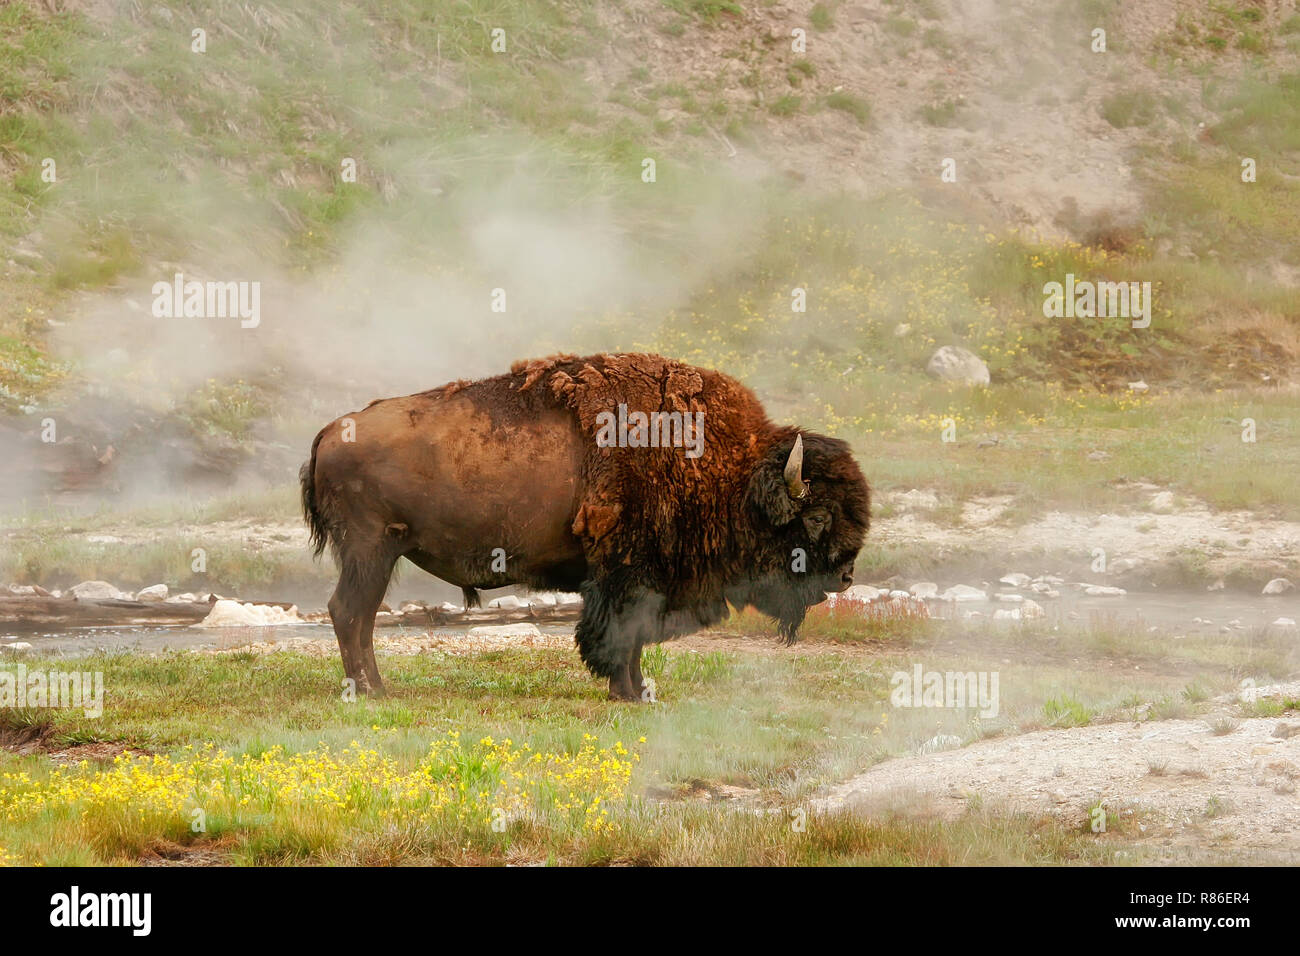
{"type": "Point", "coordinates": [1066, 711]}
{"type": "Point", "coordinates": [1130, 108]}
{"type": "Point", "coordinates": [794, 721]}
{"type": "Point", "coordinates": [855, 106]}
{"type": "Point", "coordinates": [940, 114]}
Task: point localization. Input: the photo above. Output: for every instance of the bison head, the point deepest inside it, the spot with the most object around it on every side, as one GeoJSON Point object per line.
{"type": "Point", "coordinates": [807, 508]}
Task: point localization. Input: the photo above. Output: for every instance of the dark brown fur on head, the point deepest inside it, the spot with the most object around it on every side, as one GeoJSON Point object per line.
{"type": "Point", "coordinates": [802, 548]}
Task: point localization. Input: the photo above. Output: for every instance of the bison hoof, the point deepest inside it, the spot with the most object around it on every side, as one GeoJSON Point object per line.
{"type": "Point", "coordinates": [623, 692]}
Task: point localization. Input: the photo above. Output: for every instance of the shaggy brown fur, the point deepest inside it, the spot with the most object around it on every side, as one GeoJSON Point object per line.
{"type": "Point", "coordinates": [474, 477]}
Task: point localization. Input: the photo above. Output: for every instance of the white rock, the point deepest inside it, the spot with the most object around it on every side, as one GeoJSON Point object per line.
{"type": "Point", "coordinates": [970, 615]}
{"type": "Point", "coordinates": [1100, 590]}
{"type": "Point", "coordinates": [227, 613]}
{"type": "Point", "coordinates": [899, 595]}
{"type": "Point", "coordinates": [1138, 386]}
{"type": "Point", "coordinates": [1120, 565]}
{"type": "Point", "coordinates": [1285, 623]}
{"type": "Point", "coordinates": [860, 592]}
{"type": "Point", "coordinates": [1011, 598]}
{"type": "Point", "coordinates": [952, 363]}
{"type": "Point", "coordinates": [1049, 579]}
{"type": "Point", "coordinates": [963, 592]}
{"type": "Point", "coordinates": [1277, 586]}
{"type": "Point", "coordinates": [924, 590]}
{"type": "Point", "coordinates": [505, 630]}
{"type": "Point", "coordinates": [96, 591]}
{"type": "Point", "coordinates": [103, 539]}
{"type": "Point", "coordinates": [1031, 609]}
{"type": "Point", "coordinates": [507, 602]}
{"type": "Point", "coordinates": [16, 646]}
{"type": "Point", "coordinates": [410, 607]}
{"type": "Point", "coordinates": [1007, 614]}
{"type": "Point", "coordinates": [542, 599]}
{"type": "Point", "coordinates": [189, 597]}
{"type": "Point", "coordinates": [567, 597]}
{"type": "Point", "coordinates": [1162, 502]}
{"type": "Point", "coordinates": [917, 500]}
{"type": "Point", "coordinates": [901, 329]}
{"type": "Point", "coordinates": [1016, 579]}
{"type": "Point", "coordinates": [155, 592]}
{"type": "Point", "coordinates": [448, 608]}
{"type": "Point", "coordinates": [21, 589]}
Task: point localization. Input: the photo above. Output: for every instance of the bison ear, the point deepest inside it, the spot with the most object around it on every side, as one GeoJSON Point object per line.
{"type": "Point", "coordinates": [769, 492]}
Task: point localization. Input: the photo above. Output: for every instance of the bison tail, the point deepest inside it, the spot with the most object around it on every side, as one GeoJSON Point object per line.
{"type": "Point", "coordinates": [311, 512]}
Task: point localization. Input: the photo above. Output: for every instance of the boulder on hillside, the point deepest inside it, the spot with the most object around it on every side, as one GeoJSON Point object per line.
{"type": "Point", "coordinates": [954, 364]}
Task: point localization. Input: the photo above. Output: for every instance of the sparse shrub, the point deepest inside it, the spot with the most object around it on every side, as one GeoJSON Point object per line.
{"type": "Point", "coordinates": [848, 103]}
{"type": "Point", "coordinates": [1216, 806]}
{"type": "Point", "coordinates": [900, 26]}
{"type": "Point", "coordinates": [1066, 711]}
{"type": "Point", "coordinates": [1168, 708]}
{"type": "Point", "coordinates": [940, 114]}
{"type": "Point", "coordinates": [1222, 725]}
{"type": "Point", "coordinates": [1131, 108]}
{"type": "Point", "coordinates": [786, 105]}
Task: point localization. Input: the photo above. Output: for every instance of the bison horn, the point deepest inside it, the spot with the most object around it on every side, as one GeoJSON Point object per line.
{"type": "Point", "coordinates": [794, 470]}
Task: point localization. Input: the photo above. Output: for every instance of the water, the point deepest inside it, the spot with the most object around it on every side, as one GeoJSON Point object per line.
{"type": "Point", "coordinates": [1171, 612]}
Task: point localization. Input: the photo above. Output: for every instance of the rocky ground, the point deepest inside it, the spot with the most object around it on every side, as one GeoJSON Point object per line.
{"type": "Point", "coordinates": [1221, 781]}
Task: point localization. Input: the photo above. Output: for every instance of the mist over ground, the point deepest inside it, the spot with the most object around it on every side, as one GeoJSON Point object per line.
{"type": "Point", "coordinates": [858, 208]}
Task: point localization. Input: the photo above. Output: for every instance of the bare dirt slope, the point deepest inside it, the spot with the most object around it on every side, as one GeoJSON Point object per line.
{"type": "Point", "coordinates": [1012, 91]}
{"type": "Point", "coordinates": [1176, 782]}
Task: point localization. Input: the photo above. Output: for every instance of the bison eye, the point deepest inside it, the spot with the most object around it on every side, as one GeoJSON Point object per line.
{"type": "Point", "coordinates": [816, 523]}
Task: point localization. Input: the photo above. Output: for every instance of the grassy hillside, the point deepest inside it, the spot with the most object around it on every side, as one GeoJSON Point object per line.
{"type": "Point", "coordinates": [774, 171]}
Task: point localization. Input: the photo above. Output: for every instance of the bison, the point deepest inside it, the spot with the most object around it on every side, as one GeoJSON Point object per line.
{"type": "Point", "coordinates": [586, 474]}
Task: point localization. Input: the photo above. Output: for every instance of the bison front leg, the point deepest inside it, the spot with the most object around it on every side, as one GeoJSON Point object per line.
{"type": "Point", "coordinates": [620, 686]}
{"type": "Point", "coordinates": [611, 632]}
{"type": "Point", "coordinates": [634, 672]}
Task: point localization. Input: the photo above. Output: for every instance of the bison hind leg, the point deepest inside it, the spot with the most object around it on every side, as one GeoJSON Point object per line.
{"type": "Point", "coordinates": [471, 598]}
{"type": "Point", "coordinates": [363, 582]}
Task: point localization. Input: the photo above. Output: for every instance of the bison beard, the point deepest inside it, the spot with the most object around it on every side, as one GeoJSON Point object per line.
{"type": "Point", "coordinates": [657, 542]}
